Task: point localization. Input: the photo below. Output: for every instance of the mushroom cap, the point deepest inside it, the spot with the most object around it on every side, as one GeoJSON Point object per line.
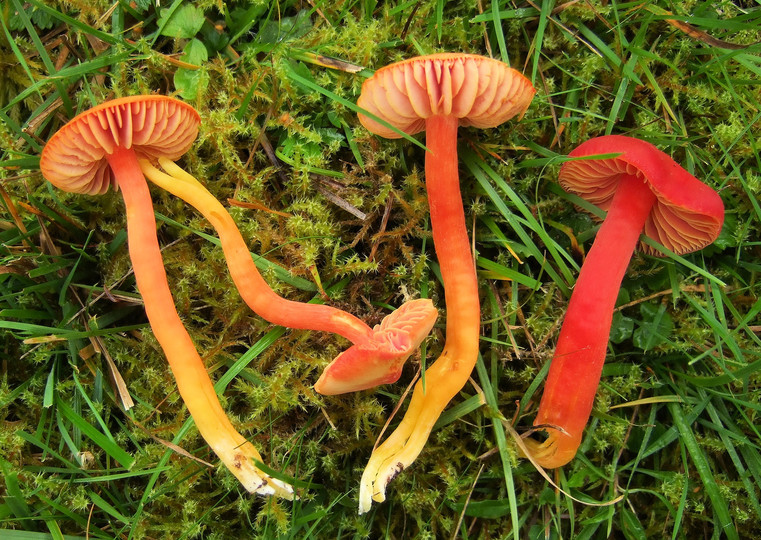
{"type": "Point", "coordinates": [74, 159]}
{"type": "Point", "coordinates": [480, 91]}
{"type": "Point", "coordinates": [687, 214]}
{"type": "Point", "coordinates": [381, 359]}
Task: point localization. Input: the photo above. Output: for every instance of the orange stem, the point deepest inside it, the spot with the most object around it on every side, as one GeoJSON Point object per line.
{"type": "Point", "coordinates": [193, 381]}
{"type": "Point", "coordinates": [377, 354]}
{"type": "Point", "coordinates": [254, 290]}
{"type": "Point", "coordinates": [449, 373]}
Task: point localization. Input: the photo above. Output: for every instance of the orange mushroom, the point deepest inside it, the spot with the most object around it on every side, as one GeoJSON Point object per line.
{"type": "Point", "coordinates": [377, 354]}
{"type": "Point", "coordinates": [99, 149]}
{"type": "Point", "coordinates": [438, 93]}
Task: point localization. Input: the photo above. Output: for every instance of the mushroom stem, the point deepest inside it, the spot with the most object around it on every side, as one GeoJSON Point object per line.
{"type": "Point", "coordinates": [574, 375]}
{"type": "Point", "coordinates": [193, 381]}
{"type": "Point", "coordinates": [377, 355]}
{"type": "Point", "coordinates": [254, 290]}
{"type": "Point", "coordinates": [449, 373]}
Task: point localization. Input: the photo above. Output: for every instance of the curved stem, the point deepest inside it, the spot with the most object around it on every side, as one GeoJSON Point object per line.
{"type": "Point", "coordinates": [254, 290]}
{"type": "Point", "coordinates": [574, 375]}
{"type": "Point", "coordinates": [193, 381]}
{"type": "Point", "coordinates": [449, 373]}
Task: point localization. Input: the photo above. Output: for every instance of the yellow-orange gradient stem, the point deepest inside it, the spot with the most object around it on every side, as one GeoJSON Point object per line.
{"type": "Point", "coordinates": [252, 287]}
{"type": "Point", "coordinates": [449, 373]}
{"type": "Point", "coordinates": [377, 354]}
{"type": "Point", "coordinates": [193, 381]}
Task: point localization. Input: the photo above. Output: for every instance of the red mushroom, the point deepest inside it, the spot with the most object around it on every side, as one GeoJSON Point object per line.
{"type": "Point", "coordinates": [99, 149]}
{"type": "Point", "coordinates": [439, 93]}
{"type": "Point", "coordinates": [642, 190]}
{"type": "Point", "coordinates": [377, 354]}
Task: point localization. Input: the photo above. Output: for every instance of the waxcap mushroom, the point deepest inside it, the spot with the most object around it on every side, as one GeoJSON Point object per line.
{"type": "Point", "coordinates": [687, 214]}
{"type": "Point", "coordinates": [642, 190]}
{"type": "Point", "coordinates": [100, 148]}
{"type": "Point", "coordinates": [439, 93]}
{"type": "Point", "coordinates": [74, 159]}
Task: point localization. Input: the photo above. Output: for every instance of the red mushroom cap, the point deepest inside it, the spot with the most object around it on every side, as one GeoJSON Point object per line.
{"type": "Point", "coordinates": [154, 126]}
{"type": "Point", "coordinates": [480, 91]}
{"type": "Point", "coordinates": [687, 214]}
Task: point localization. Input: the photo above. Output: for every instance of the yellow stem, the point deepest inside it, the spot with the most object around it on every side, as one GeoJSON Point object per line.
{"type": "Point", "coordinates": [252, 287]}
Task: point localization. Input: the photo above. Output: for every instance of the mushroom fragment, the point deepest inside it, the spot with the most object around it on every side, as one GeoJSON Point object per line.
{"type": "Point", "coordinates": [438, 93]}
{"type": "Point", "coordinates": [377, 354]}
{"type": "Point", "coordinates": [99, 149]}
{"type": "Point", "coordinates": [643, 190]}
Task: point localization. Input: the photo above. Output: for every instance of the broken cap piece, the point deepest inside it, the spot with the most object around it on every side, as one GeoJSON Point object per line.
{"type": "Point", "coordinates": [381, 359]}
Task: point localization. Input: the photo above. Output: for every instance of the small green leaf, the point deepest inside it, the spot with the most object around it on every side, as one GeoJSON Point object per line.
{"type": "Point", "coordinates": [489, 509]}
{"type": "Point", "coordinates": [185, 22]}
{"type": "Point", "coordinates": [41, 19]}
{"type": "Point", "coordinates": [655, 328]}
{"type": "Point", "coordinates": [631, 526]}
{"type": "Point", "coordinates": [48, 395]}
{"type": "Point", "coordinates": [190, 81]}
{"type": "Point", "coordinates": [285, 28]}
{"type": "Point", "coordinates": [621, 328]}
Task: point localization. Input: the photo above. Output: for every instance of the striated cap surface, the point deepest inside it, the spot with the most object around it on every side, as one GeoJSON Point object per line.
{"type": "Point", "coordinates": [74, 159]}
{"type": "Point", "coordinates": [687, 214]}
{"type": "Point", "coordinates": [480, 91]}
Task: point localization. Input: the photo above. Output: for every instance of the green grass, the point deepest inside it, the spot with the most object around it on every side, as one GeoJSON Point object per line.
{"type": "Point", "coordinates": [673, 448]}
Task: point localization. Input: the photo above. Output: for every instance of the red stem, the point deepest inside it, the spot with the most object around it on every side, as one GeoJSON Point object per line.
{"type": "Point", "coordinates": [574, 375]}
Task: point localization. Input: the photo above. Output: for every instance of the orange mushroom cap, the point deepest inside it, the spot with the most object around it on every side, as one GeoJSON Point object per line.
{"type": "Point", "coordinates": [480, 91]}
{"type": "Point", "coordinates": [380, 360]}
{"type": "Point", "coordinates": [153, 126]}
{"type": "Point", "coordinates": [687, 214]}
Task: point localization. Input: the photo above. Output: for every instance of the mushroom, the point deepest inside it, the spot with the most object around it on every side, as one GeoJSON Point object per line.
{"type": "Point", "coordinates": [100, 149]}
{"type": "Point", "coordinates": [438, 93]}
{"type": "Point", "coordinates": [642, 190]}
{"type": "Point", "coordinates": [377, 354]}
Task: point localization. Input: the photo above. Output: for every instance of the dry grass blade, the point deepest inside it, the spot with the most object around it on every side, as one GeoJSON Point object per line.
{"type": "Point", "coordinates": [524, 450]}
